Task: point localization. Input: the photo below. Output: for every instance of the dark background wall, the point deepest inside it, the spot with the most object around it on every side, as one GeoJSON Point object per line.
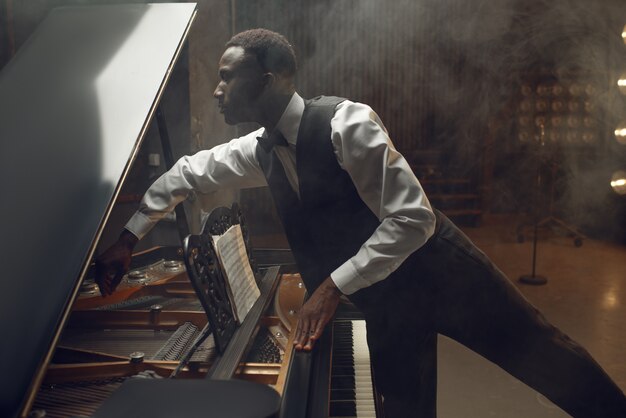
{"type": "Point", "coordinates": [451, 76]}
{"type": "Point", "coordinates": [457, 78]}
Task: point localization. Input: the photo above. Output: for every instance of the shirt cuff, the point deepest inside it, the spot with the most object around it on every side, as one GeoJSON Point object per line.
{"type": "Point", "coordinates": [139, 225]}
{"type": "Point", "coordinates": [348, 279]}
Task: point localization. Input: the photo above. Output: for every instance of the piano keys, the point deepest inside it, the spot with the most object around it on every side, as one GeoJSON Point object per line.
{"type": "Point", "coordinates": [351, 389]}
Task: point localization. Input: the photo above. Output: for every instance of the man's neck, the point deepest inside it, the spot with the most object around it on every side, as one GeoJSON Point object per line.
{"type": "Point", "coordinates": [274, 110]}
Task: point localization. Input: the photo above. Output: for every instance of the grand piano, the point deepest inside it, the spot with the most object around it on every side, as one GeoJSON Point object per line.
{"type": "Point", "coordinates": [75, 105]}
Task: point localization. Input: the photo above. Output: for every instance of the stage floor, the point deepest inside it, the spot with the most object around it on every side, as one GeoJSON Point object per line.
{"type": "Point", "coordinates": [585, 297]}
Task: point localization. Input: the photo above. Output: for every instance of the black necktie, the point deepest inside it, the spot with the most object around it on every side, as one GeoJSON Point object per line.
{"type": "Point", "coordinates": [276, 138]}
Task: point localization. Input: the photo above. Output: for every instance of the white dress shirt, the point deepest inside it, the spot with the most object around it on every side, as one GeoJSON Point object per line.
{"type": "Point", "coordinates": [381, 175]}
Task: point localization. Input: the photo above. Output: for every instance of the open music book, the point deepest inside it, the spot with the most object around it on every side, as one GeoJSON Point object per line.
{"type": "Point", "coordinates": [240, 283]}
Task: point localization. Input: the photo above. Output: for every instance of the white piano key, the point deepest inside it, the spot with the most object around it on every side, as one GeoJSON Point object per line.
{"type": "Point", "coordinates": [364, 392]}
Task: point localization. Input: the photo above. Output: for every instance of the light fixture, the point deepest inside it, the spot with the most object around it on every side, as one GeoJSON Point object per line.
{"type": "Point", "coordinates": [620, 133]}
{"type": "Point", "coordinates": [618, 182]}
{"type": "Point", "coordinates": [621, 84]}
{"type": "Point", "coordinates": [624, 34]}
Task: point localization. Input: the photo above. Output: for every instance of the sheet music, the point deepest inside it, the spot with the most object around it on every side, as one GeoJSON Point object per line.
{"type": "Point", "coordinates": [231, 250]}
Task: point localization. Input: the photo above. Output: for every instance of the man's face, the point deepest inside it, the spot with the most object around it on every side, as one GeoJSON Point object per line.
{"type": "Point", "coordinates": [240, 87]}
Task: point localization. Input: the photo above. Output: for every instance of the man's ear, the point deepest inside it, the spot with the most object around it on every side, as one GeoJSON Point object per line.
{"type": "Point", "coordinates": [269, 79]}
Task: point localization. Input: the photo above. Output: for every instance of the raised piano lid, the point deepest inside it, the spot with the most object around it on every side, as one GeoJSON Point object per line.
{"type": "Point", "coordinates": [75, 103]}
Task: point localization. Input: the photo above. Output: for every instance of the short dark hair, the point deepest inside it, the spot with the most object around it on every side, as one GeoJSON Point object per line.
{"type": "Point", "coordinates": [272, 50]}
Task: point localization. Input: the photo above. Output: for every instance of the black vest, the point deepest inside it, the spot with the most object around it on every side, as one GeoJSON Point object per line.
{"type": "Point", "coordinates": [330, 222]}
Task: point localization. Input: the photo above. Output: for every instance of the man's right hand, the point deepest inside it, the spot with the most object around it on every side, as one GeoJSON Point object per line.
{"type": "Point", "coordinates": [112, 264]}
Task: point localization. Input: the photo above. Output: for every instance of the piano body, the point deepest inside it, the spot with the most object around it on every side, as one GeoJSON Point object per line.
{"type": "Point", "coordinates": [74, 111]}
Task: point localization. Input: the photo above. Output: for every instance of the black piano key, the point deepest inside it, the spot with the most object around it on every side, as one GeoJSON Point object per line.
{"type": "Point", "coordinates": [343, 385]}
{"type": "Point", "coordinates": [342, 394]}
{"type": "Point", "coordinates": [344, 381]}
{"type": "Point", "coordinates": [343, 370]}
{"type": "Point", "coordinates": [342, 409]}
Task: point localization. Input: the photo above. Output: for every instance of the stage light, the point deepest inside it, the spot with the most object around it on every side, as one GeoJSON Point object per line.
{"type": "Point", "coordinates": [557, 90]}
{"type": "Point", "coordinates": [571, 137]}
{"type": "Point", "coordinates": [556, 121]}
{"type": "Point", "coordinates": [620, 133]}
{"type": "Point", "coordinates": [618, 182]}
{"type": "Point", "coordinates": [589, 137]}
{"type": "Point", "coordinates": [524, 121]}
{"type": "Point", "coordinates": [621, 84]}
{"type": "Point", "coordinates": [589, 122]}
{"type": "Point", "coordinates": [573, 122]}
{"type": "Point", "coordinates": [543, 90]}
{"type": "Point", "coordinates": [573, 106]}
{"type": "Point", "coordinates": [557, 106]}
{"type": "Point", "coordinates": [540, 121]}
{"type": "Point", "coordinates": [575, 90]}
{"type": "Point", "coordinates": [554, 135]}
{"type": "Point", "coordinates": [541, 105]}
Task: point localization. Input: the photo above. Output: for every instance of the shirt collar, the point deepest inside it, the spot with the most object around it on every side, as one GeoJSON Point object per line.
{"type": "Point", "coordinates": [289, 122]}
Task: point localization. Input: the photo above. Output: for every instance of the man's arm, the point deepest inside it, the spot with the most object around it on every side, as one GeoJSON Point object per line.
{"type": "Point", "coordinates": [230, 165]}
{"type": "Point", "coordinates": [389, 188]}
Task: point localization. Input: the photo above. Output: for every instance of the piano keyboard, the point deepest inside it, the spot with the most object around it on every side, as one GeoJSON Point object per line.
{"type": "Point", "coordinates": [351, 389]}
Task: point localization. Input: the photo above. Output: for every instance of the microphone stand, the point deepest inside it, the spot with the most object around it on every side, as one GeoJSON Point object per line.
{"type": "Point", "coordinates": [533, 278]}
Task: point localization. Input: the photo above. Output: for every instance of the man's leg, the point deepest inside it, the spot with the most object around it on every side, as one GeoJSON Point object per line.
{"type": "Point", "coordinates": [480, 308]}
{"type": "Point", "coordinates": [402, 346]}
{"type": "Point", "coordinates": [405, 366]}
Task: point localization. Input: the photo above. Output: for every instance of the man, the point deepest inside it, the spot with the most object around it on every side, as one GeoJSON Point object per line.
{"type": "Point", "coordinates": [359, 224]}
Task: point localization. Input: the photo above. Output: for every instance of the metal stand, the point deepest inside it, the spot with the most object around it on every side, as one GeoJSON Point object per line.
{"type": "Point", "coordinates": [533, 278]}
{"type": "Point", "coordinates": [550, 221]}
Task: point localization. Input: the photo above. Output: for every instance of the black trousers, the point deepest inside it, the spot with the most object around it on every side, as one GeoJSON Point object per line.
{"type": "Point", "coordinates": [450, 287]}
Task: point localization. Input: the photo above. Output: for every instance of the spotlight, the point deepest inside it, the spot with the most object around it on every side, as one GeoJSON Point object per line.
{"type": "Point", "coordinates": [524, 121]}
{"type": "Point", "coordinates": [618, 182]}
{"type": "Point", "coordinates": [588, 137]}
{"type": "Point", "coordinates": [526, 106]}
{"type": "Point", "coordinates": [557, 106]}
{"type": "Point", "coordinates": [621, 83]}
{"type": "Point", "coordinates": [573, 122]}
{"type": "Point", "coordinates": [624, 34]}
{"type": "Point", "coordinates": [543, 90]}
{"type": "Point", "coordinates": [557, 90]}
{"type": "Point", "coordinates": [575, 90]}
{"type": "Point", "coordinates": [554, 135]}
{"type": "Point", "coordinates": [620, 133]}
{"type": "Point", "coordinates": [541, 105]}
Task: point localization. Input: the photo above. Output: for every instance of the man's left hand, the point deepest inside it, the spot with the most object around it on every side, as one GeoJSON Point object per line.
{"type": "Point", "coordinates": [315, 314]}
